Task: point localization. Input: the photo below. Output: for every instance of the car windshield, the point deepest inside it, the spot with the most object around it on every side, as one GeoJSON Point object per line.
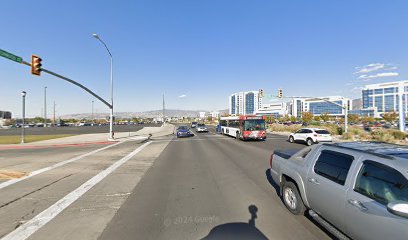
{"type": "Point", "coordinates": [254, 125]}
{"type": "Point", "coordinates": [201, 125]}
{"type": "Point", "coordinates": [182, 128]}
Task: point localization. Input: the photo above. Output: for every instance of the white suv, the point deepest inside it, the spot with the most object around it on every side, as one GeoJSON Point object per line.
{"type": "Point", "coordinates": [310, 136]}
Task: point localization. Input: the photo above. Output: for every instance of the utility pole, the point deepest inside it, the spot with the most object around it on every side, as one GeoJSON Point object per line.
{"type": "Point", "coordinates": [45, 106]}
{"type": "Point", "coordinates": [93, 121]}
{"type": "Point", "coordinates": [401, 108]}
{"type": "Point", "coordinates": [54, 115]}
{"type": "Point", "coordinates": [163, 110]}
{"type": "Point", "coordinates": [346, 117]}
{"type": "Point", "coordinates": [23, 95]}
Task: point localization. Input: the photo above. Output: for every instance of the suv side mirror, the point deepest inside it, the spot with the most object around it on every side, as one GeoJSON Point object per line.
{"type": "Point", "coordinates": [399, 208]}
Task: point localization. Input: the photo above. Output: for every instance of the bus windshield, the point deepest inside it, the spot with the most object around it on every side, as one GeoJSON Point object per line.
{"type": "Point", "coordinates": [254, 125]}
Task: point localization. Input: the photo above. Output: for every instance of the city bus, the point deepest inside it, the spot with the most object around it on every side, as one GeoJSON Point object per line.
{"type": "Point", "coordinates": [244, 127]}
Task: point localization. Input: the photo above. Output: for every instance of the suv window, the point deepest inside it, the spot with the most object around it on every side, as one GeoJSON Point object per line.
{"type": "Point", "coordinates": [381, 183]}
{"type": "Point", "coordinates": [333, 165]}
{"type": "Point", "coordinates": [322, 132]}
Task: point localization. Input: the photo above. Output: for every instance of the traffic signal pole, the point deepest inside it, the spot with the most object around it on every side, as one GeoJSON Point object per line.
{"type": "Point", "coordinates": [73, 82]}
{"type": "Point", "coordinates": [36, 69]}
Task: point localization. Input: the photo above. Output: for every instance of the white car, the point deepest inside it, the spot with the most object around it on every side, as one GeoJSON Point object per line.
{"type": "Point", "coordinates": [310, 136]}
{"type": "Point", "coordinates": [201, 128]}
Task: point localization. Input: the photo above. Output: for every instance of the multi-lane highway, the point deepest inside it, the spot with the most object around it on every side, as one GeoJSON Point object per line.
{"type": "Point", "coordinates": [203, 187]}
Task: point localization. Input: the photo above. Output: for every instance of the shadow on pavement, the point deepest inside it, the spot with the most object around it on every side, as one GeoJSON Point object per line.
{"type": "Point", "coordinates": [270, 180]}
{"type": "Point", "coordinates": [238, 230]}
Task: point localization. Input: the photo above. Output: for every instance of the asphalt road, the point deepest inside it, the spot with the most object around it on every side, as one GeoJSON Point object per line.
{"type": "Point", "coordinates": [210, 187]}
{"type": "Point", "coordinates": [204, 187]}
{"type": "Point", "coordinates": [73, 130]}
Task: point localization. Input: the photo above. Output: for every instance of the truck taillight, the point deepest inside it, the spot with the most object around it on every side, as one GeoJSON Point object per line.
{"type": "Point", "coordinates": [270, 160]}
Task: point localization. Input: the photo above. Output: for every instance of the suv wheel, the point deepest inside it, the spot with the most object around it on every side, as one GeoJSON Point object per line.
{"type": "Point", "coordinates": [309, 142]}
{"type": "Point", "coordinates": [292, 199]}
{"type": "Point", "coordinates": [291, 139]}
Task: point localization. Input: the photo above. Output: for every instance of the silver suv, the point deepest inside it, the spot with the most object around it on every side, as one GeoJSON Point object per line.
{"type": "Point", "coordinates": [355, 189]}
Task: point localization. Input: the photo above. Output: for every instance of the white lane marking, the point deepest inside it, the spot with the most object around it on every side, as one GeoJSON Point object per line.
{"type": "Point", "coordinates": [39, 171]}
{"type": "Point", "coordinates": [187, 140]}
{"type": "Point", "coordinates": [33, 225]}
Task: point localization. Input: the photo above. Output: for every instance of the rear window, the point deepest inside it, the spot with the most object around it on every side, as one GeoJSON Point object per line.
{"type": "Point", "coordinates": [322, 132]}
{"type": "Point", "coordinates": [201, 125]}
{"type": "Point", "coordinates": [333, 166]}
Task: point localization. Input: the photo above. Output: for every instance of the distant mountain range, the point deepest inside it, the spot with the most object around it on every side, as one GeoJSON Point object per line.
{"type": "Point", "coordinates": [146, 114]}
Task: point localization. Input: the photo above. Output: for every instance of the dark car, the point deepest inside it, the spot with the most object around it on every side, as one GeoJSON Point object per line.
{"type": "Point", "coordinates": [183, 131]}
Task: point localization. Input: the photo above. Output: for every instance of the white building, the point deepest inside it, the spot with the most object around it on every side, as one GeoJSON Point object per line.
{"type": "Point", "coordinates": [318, 106]}
{"type": "Point", "coordinates": [244, 103]}
{"type": "Point", "coordinates": [202, 114]}
{"type": "Point", "coordinates": [275, 108]}
{"type": "Point", "coordinates": [215, 114]}
{"type": "Point", "coordinates": [384, 96]}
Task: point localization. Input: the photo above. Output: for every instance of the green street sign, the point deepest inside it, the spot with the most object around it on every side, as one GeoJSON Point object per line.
{"type": "Point", "coordinates": [10, 56]}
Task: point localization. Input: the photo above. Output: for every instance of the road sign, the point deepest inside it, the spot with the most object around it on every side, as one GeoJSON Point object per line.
{"type": "Point", "coordinates": [10, 56]}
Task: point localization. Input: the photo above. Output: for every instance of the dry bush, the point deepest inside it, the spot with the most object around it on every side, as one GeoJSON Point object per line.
{"type": "Point", "coordinates": [276, 127]}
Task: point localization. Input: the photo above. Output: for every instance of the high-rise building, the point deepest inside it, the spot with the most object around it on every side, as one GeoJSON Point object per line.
{"type": "Point", "coordinates": [384, 96]}
{"type": "Point", "coordinates": [357, 104]}
{"type": "Point", "coordinates": [244, 103]}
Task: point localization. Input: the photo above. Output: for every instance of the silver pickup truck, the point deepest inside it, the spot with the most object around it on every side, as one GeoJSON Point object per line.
{"type": "Point", "coordinates": [355, 190]}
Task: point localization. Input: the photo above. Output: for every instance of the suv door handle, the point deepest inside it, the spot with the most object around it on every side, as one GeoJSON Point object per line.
{"type": "Point", "coordinates": [358, 205]}
{"type": "Point", "coordinates": [313, 180]}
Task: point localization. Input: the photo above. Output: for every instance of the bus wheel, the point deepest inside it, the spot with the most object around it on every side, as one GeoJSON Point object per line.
{"type": "Point", "coordinates": [237, 136]}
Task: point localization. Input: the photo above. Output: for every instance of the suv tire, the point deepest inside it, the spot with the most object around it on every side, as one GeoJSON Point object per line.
{"type": "Point", "coordinates": [292, 199]}
{"type": "Point", "coordinates": [309, 142]}
{"type": "Point", "coordinates": [291, 139]}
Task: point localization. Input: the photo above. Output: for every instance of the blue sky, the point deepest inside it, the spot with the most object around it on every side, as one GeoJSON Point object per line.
{"type": "Point", "coordinates": [202, 49]}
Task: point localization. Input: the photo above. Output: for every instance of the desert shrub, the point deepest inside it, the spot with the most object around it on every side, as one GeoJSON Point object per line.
{"type": "Point", "coordinates": [398, 134]}
{"type": "Point", "coordinates": [382, 136]}
{"type": "Point", "coordinates": [348, 136]}
{"type": "Point", "coordinates": [276, 127]}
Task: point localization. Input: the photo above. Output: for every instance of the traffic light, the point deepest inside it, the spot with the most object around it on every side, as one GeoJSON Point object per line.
{"type": "Point", "coordinates": [260, 93]}
{"type": "Point", "coordinates": [36, 65]}
{"type": "Point", "coordinates": [280, 93]}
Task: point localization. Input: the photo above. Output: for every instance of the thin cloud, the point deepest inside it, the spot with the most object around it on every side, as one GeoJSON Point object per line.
{"type": "Point", "coordinates": [373, 67]}
{"type": "Point", "coordinates": [378, 75]}
{"type": "Point", "coordinates": [182, 96]}
{"type": "Point", "coordinates": [370, 68]}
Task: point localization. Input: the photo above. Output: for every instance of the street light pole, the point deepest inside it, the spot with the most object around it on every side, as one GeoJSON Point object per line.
{"type": "Point", "coordinates": [45, 106]}
{"type": "Point", "coordinates": [23, 95]}
{"type": "Point", "coordinates": [346, 117]}
{"type": "Point", "coordinates": [111, 137]}
{"type": "Point", "coordinates": [93, 121]}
